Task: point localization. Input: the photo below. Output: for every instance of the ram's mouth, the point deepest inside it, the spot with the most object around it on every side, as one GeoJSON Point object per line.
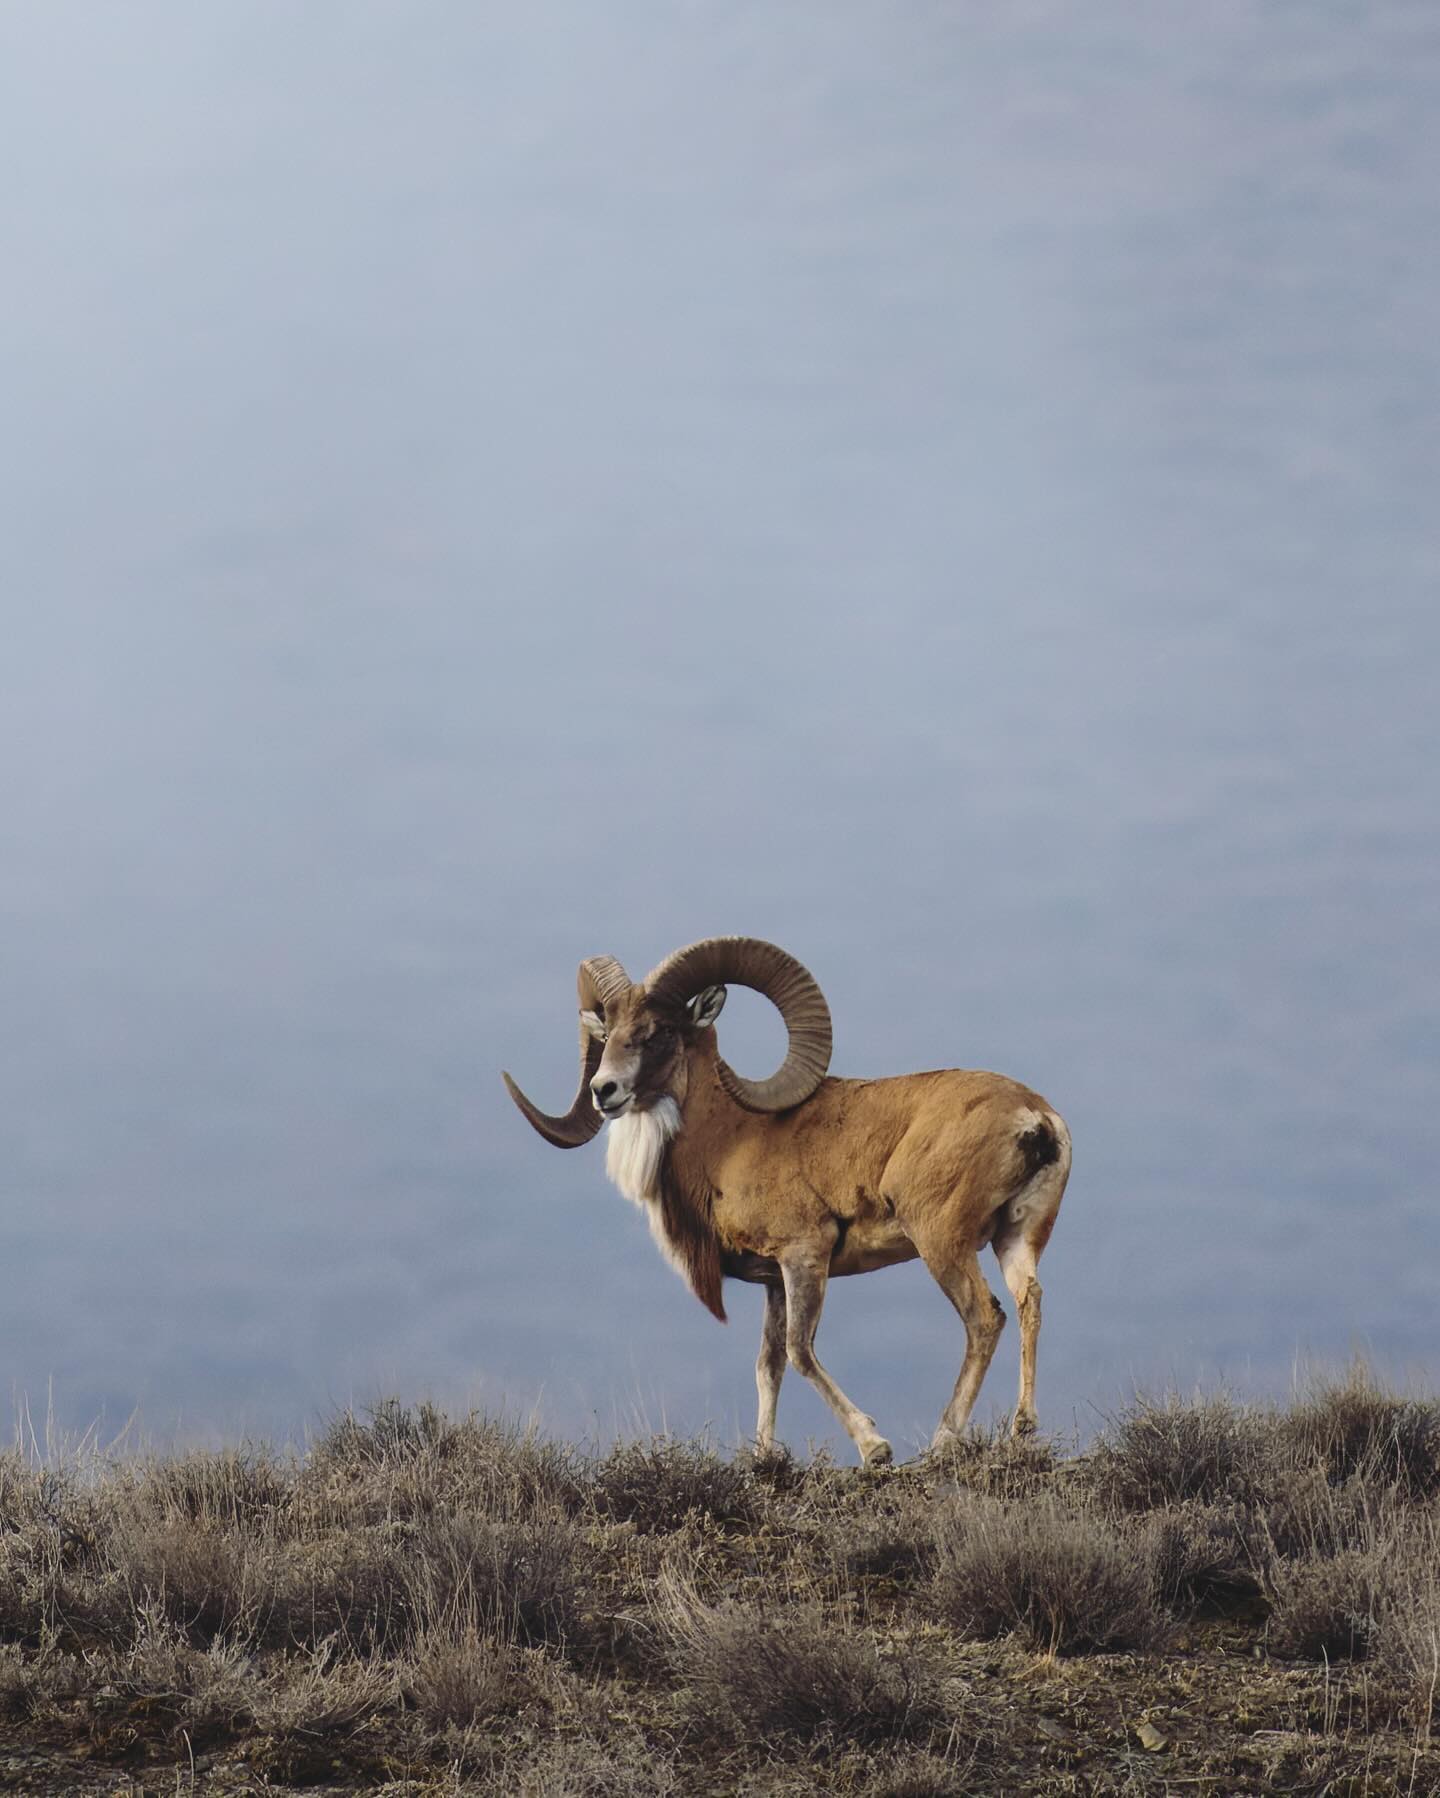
{"type": "Point", "coordinates": [616, 1110]}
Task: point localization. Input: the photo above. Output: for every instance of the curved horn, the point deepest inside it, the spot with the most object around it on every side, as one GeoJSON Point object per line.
{"type": "Point", "coordinates": [746, 961]}
{"type": "Point", "coordinates": [601, 980]}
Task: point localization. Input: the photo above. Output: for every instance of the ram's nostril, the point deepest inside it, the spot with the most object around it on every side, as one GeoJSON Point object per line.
{"type": "Point", "coordinates": [604, 1091]}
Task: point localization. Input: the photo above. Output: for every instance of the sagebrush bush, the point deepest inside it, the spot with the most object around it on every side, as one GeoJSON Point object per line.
{"type": "Point", "coordinates": [1332, 1609]}
{"type": "Point", "coordinates": [1308, 1518]}
{"type": "Point", "coordinates": [209, 1692]}
{"type": "Point", "coordinates": [994, 1463]}
{"type": "Point", "coordinates": [793, 1673]}
{"type": "Point", "coordinates": [1203, 1559]}
{"type": "Point", "coordinates": [657, 1485]}
{"type": "Point", "coordinates": [1169, 1453]}
{"type": "Point", "coordinates": [411, 1464]}
{"type": "Point", "coordinates": [231, 1486]}
{"type": "Point", "coordinates": [1066, 1582]}
{"type": "Point", "coordinates": [522, 1581]}
{"type": "Point", "coordinates": [460, 1677]}
{"type": "Point", "coordinates": [1356, 1430]}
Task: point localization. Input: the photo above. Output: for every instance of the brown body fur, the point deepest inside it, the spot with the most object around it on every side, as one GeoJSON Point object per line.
{"type": "Point", "coordinates": [872, 1163]}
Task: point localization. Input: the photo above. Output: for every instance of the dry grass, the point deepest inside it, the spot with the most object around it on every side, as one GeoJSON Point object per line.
{"type": "Point", "coordinates": [455, 1606]}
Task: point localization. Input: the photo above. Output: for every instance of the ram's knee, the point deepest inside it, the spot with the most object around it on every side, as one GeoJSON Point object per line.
{"type": "Point", "coordinates": [801, 1357]}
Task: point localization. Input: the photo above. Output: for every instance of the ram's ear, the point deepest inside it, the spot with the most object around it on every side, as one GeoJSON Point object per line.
{"type": "Point", "coordinates": [592, 1022]}
{"type": "Point", "coordinates": [706, 1006]}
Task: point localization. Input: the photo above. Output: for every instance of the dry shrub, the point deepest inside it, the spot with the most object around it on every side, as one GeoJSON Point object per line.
{"type": "Point", "coordinates": [402, 1463]}
{"type": "Point", "coordinates": [1409, 1645]}
{"type": "Point", "coordinates": [1065, 1581]}
{"type": "Point", "coordinates": [197, 1574]}
{"type": "Point", "coordinates": [18, 1685]}
{"type": "Point", "coordinates": [460, 1678]}
{"type": "Point", "coordinates": [1203, 1559]}
{"type": "Point", "coordinates": [1333, 1609]}
{"type": "Point", "coordinates": [210, 1692]}
{"type": "Point", "coordinates": [517, 1580]}
{"type": "Point", "coordinates": [618, 1764]}
{"type": "Point", "coordinates": [231, 1487]}
{"type": "Point", "coordinates": [1309, 1519]}
{"type": "Point", "coordinates": [795, 1674]}
{"type": "Point", "coordinates": [994, 1463]}
{"type": "Point", "coordinates": [352, 1586]}
{"type": "Point", "coordinates": [52, 1534]}
{"type": "Point", "coordinates": [38, 1684]}
{"type": "Point", "coordinates": [1356, 1430]}
{"type": "Point", "coordinates": [215, 1582]}
{"type": "Point", "coordinates": [657, 1485]}
{"type": "Point", "coordinates": [309, 1703]}
{"type": "Point", "coordinates": [1169, 1453]}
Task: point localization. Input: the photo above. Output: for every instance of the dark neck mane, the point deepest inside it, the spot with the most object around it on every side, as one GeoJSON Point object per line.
{"type": "Point", "coordinates": [687, 1212]}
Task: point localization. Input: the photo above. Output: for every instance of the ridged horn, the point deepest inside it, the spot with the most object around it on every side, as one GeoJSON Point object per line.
{"type": "Point", "coordinates": [600, 980]}
{"type": "Point", "coordinates": [746, 961]}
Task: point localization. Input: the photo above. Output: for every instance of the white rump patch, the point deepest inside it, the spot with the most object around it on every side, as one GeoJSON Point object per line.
{"type": "Point", "coordinates": [633, 1153]}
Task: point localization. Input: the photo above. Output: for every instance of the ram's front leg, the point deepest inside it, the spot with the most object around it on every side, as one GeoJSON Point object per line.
{"type": "Point", "coordinates": [806, 1275]}
{"type": "Point", "coordinates": [770, 1368]}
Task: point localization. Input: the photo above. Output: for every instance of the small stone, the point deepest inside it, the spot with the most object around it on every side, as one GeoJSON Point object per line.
{"type": "Point", "coordinates": [1150, 1738]}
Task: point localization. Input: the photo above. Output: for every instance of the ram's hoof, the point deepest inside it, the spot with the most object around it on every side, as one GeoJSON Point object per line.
{"type": "Point", "coordinates": [878, 1454]}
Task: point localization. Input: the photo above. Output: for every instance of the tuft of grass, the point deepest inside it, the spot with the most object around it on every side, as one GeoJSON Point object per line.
{"type": "Point", "coordinates": [658, 1485]}
{"type": "Point", "coordinates": [193, 1572]}
{"type": "Point", "coordinates": [793, 1673]}
{"type": "Point", "coordinates": [1409, 1645]}
{"type": "Point", "coordinates": [615, 1764]}
{"type": "Point", "coordinates": [1065, 1581]}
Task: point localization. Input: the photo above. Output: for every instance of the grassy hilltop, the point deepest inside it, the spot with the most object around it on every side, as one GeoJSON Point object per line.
{"type": "Point", "coordinates": [1214, 1599]}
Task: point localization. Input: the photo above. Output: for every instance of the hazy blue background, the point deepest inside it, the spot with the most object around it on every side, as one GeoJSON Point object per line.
{"type": "Point", "coordinates": [952, 488]}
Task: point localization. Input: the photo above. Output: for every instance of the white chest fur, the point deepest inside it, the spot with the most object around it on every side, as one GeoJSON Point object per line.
{"type": "Point", "coordinates": [636, 1146]}
{"type": "Point", "coordinates": [634, 1150]}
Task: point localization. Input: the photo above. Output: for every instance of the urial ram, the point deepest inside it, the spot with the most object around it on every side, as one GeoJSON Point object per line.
{"type": "Point", "coordinates": [792, 1180]}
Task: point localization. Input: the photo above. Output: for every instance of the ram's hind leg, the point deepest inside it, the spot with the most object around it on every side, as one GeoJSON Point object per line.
{"type": "Point", "coordinates": [805, 1280]}
{"type": "Point", "coordinates": [964, 1285]}
{"type": "Point", "coordinates": [770, 1367]}
{"type": "Point", "coordinates": [1019, 1242]}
